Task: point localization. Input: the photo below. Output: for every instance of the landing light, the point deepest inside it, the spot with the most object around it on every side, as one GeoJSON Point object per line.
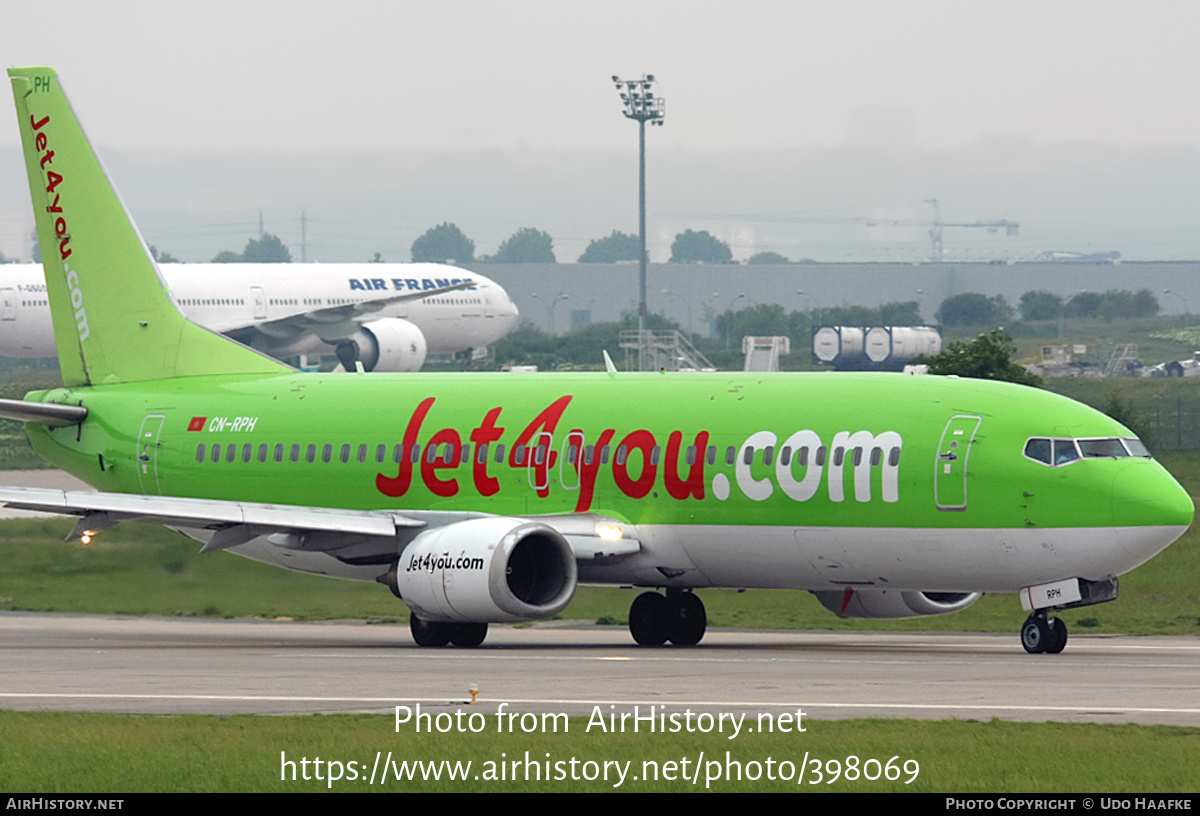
{"type": "Point", "coordinates": [609, 532]}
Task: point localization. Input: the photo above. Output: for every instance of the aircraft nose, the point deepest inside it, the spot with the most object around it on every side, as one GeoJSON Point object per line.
{"type": "Point", "coordinates": [1145, 496]}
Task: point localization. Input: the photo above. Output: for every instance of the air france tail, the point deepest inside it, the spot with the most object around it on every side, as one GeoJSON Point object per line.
{"type": "Point", "coordinates": [114, 318]}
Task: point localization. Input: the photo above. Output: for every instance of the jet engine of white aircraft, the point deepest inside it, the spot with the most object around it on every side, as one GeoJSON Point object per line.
{"type": "Point", "coordinates": [484, 569]}
{"type": "Point", "coordinates": [391, 344]}
{"type": "Point", "coordinates": [887, 603]}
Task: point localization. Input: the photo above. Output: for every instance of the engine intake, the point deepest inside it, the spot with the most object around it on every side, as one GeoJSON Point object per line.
{"type": "Point", "coordinates": [487, 570]}
{"type": "Point", "coordinates": [390, 344]}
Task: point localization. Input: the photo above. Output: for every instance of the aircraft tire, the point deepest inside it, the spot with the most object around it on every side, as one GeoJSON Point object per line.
{"type": "Point", "coordinates": [1058, 640]}
{"type": "Point", "coordinates": [468, 635]}
{"type": "Point", "coordinates": [650, 619]}
{"type": "Point", "coordinates": [688, 619]}
{"type": "Point", "coordinates": [1036, 634]}
{"type": "Point", "coordinates": [429, 633]}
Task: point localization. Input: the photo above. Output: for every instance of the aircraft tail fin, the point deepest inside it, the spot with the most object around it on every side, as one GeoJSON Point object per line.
{"type": "Point", "coordinates": [114, 318]}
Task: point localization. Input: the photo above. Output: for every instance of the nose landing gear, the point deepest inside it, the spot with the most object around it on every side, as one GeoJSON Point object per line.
{"type": "Point", "coordinates": [1041, 634]}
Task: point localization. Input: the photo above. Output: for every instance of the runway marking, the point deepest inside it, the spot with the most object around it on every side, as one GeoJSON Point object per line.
{"type": "Point", "coordinates": [1088, 709]}
{"type": "Point", "coordinates": [1019, 658]}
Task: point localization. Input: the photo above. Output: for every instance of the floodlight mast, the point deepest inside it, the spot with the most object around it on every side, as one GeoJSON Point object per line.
{"type": "Point", "coordinates": [642, 105]}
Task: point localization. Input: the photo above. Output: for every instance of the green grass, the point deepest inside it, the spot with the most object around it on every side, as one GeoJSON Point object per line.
{"type": "Point", "coordinates": [101, 753]}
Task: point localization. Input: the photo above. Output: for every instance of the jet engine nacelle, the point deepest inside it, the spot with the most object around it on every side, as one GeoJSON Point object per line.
{"type": "Point", "coordinates": [390, 344]}
{"type": "Point", "coordinates": [487, 570]}
{"type": "Point", "coordinates": [889, 603]}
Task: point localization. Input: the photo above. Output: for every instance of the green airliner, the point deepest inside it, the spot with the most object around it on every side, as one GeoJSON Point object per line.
{"type": "Point", "coordinates": [486, 498]}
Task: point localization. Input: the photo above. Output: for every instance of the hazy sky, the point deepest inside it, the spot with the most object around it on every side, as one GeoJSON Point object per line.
{"type": "Point", "coordinates": [360, 76]}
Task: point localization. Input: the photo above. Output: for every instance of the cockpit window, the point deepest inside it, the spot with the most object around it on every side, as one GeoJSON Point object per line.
{"type": "Point", "coordinates": [1101, 448]}
{"type": "Point", "coordinates": [1039, 450]}
{"type": "Point", "coordinates": [1064, 451]}
{"type": "Point", "coordinates": [1136, 448]}
{"type": "Point", "coordinates": [1055, 452]}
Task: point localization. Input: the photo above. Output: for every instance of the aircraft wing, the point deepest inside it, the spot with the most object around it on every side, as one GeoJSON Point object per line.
{"type": "Point", "coordinates": [315, 319]}
{"type": "Point", "coordinates": [318, 529]}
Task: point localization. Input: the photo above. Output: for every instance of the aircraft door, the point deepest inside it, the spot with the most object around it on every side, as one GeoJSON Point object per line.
{"type": "Point", "coordinates": [8, 304]}
{"type": "Point", "coordinates": [954, 449]}
{"type": "Point", "coordinates": [260, 302]}
{"type": "Point", "coordinates": [147, 454]}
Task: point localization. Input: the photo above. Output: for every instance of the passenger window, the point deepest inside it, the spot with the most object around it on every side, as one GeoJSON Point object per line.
{"type": "Point", "coordinates": [858, 456]}
{"type": "Point", "coordinates": [621, 454]}
{"type": "Point", "coordinates": [481, 454]}
{"type": "Point", "coordinates": [785, 456]}
{"type": "Point", "coordinates": [748, 455]}
{"type": "Point", "coordinates": [894, 457]}
{"type": "Point", "coordinates": [200, 453]}
{"type": "Point", "coordinates": [362, 454]}
{"type": "Point", "coordinates": [216, 452]}
{"type": "Point", "coordinates": [654, 454]}
{"type": "Point", "coordinates": [499, 453]}
{"type": "Point", "coordinates": [247, 452]}
{"type": "Point", "coordinates": [416, 454]}
{"type": "Point", "coordinates": [345, 454]}
{"type": "Point", "coordinates": [327, 453]}
{"type": "Point", "coordinates": [691, 454]}
{"type": "Point", "coordinates": [821, 456]}
{"type": "Point", "coordinates": [588, 454]}
{"type": "Point", "coordinates": [311, 455]}
{"type": "Point", "coordinates": [876, 457]}
{"type": "Point", "coordinates": [296, 453]}
{"type": "Point", "coordinates": [230, 453]}
{"type": "Point", "coordinates": [430, 454]}
{"type": "Point", "coordinates": [380, 453]}
{"type": "Point", "coordinates": [262, 452]}
{"type": "Point", "coordinates": [730, 455]}
{"type": "Point", "coordinates": [839, 455]}
{"type": "Point", "coordinates": [768, 454]}
{"type": "Point", "coordinates": [712, 454]}
{"type": "Point", "coordinates": [279, 452]}
{"type": "Point", "coordinates": [1039, 450]}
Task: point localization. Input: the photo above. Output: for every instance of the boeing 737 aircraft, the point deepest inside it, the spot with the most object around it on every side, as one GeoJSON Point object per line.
{"type": "Point", "coordinates": [480, 498]}
{"type": "Point", "coordinates": [389, 317]}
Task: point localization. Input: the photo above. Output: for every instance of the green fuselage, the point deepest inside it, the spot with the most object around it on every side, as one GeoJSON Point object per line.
{"type": "Point", "coordinates": [331, 440]}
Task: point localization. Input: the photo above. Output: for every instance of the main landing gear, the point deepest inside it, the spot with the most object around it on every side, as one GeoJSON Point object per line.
{"type": "Point", "coordinates": [435, 633]}
{"type": "Point", "coordinates": [1043, 635]}
{"type": "Point", "coordinates": [678, 617]}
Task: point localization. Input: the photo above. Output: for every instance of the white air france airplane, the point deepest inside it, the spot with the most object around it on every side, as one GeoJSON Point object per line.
{"type": "Point", "coordinates": [389, 317]}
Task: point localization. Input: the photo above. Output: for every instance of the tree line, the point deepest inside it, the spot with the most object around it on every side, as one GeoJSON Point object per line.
{"type": "Point", "coordinates": [974, 309]}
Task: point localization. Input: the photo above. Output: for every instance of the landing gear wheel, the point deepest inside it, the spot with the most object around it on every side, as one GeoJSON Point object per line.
{"type": "Point", "coordinates": [468, 635]}
{"type": "Point", "coordinates": [1058, 641]}
{"type": "Point", "coordinates": [1036, 635]}
{"type": "Point", "coordinates": [429, 633]}
{"type": "Point", "coordinates": [688, 620]}
{"type": "Point", "coordinates": [649, 619]}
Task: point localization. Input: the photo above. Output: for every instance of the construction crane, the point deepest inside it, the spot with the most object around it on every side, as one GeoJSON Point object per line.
{"type": "Point", "coordinates": [1009, 227]}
